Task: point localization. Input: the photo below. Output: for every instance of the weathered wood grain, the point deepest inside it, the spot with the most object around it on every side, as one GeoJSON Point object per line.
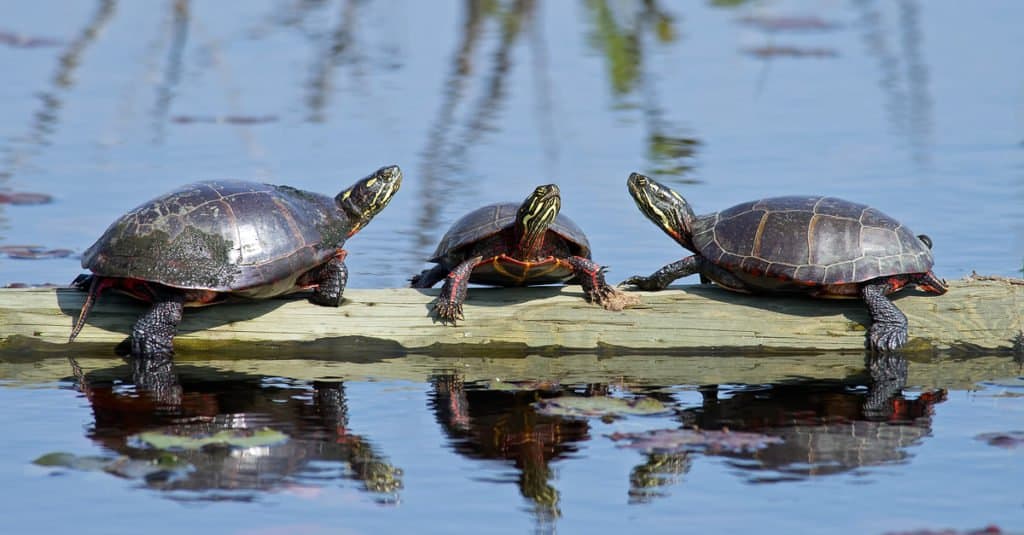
{"type": "Point", "coordinates": [976, 315]}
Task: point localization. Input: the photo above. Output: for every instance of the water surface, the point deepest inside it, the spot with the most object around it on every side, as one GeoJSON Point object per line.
{"type": "Point", "coordinates": [913, 107]}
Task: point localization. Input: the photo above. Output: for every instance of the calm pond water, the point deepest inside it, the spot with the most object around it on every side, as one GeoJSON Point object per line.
{"type": "Point", "coordinates": [914, 107]}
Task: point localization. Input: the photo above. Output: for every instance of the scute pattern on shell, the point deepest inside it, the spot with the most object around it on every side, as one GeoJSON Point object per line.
{"type": "Point", "coordinates": [813, 240]}
{"type": "Point", "coordinates": [221, 236]}
{"type": "Point", "coordinates": [491, 219]}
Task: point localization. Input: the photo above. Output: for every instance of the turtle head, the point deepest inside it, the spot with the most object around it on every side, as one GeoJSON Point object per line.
{"type": "Point", "coordinates": [369, 196]}
{"type": "Point", "coordinates": [664, 207]}
{"type": "Point", "coordinates": [535, 215]}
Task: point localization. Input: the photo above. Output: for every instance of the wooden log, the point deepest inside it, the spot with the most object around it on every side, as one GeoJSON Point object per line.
{"type": "Point", "coordinates": [976, 315]}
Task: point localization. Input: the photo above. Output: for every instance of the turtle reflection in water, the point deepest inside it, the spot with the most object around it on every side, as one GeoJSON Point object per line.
{"type": "Point", "coordinates": [228, 435]}
{"type": "Point", "coordinates": [509, 244]}
{"type": "Point", "coordinates": [207, 241]}
{"type": "Point", "coordinates": [819, 246]}
{"type": "Point", "coordinates": [791, 430]}
{"type": "Point", "coordinates": [482, 423]}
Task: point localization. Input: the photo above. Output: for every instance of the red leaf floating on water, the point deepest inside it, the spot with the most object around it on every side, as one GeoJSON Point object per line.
{"type": "Point", "coordinates": [987, 530]}
{"type": "Point", "coordinates": [1008, 440]}
{"type": "Point", "coordinates": [33, 252]}
{"type": "Point", "coordinates": [25, 198]}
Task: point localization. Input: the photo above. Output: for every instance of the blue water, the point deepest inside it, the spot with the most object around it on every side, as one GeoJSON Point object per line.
{"type": "Point", "coordinates": [914, 107]}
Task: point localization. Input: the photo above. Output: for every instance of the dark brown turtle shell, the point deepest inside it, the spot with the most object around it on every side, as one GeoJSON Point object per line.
{"type": "Point", "coordinates": [809, 241]}
{"type": "Point", "coordinates": [226, 236]}
{"type": "Point", "coordinates": [489, 220]}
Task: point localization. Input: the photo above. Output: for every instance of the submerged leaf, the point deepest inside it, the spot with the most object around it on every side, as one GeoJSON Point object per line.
{"type": "Point", "coordinates": [238, 438]}
{"type": "Point", "coordinates": [600, 406]}
{"type": "Point", "coordinates": [680, 440]}
{"type": "Point", "coordinates": [119, 466]}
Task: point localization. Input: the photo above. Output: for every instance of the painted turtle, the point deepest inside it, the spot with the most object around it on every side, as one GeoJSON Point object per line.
{"type": "Point", "coordinates": [206, 241]}
{"type": "Point", "coordinates": [821, 246]}
{"type": "Point", "coordinates": [508, 244]}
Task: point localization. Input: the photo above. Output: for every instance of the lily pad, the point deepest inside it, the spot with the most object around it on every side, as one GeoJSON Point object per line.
{"type": "Point", "coordinates": [600, 407]}
{"type": "Point", "coordinates": [120, 466]}
{"type": "Point", "coordinates": [62, 459]}
{"type": "Point", "coordinates": [237, 438]}
{"type": "Point", "coordinates": [681, 440]}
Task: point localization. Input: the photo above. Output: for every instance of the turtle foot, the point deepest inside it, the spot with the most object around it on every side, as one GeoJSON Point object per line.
{"type": "Point", "coordinates": [887, 336]}
{"type": "Point", "coordinates": [650, 284]}
{"type": "Point", "coordinates": [448, 312]}
{"type": "Point", "coordinates": [611, 299]}
{"type": "Point", "coordinates": [150, 347]}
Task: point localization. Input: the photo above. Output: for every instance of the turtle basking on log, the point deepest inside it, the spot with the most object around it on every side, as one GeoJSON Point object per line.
{"type": "Point", "coordinates": [820, 246]}
{"type": "Point", "coordinates": [510, 244]}
{"type": "Point", "coordinates": [206, 241]}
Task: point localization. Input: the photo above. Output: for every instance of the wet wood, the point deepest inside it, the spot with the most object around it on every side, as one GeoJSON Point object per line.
{"type": "Point", "coordinates": [976, 315]}
{"type": "Point", "coordinates": [924, 371]}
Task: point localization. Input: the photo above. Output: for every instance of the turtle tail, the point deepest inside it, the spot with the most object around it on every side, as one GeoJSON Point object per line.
{"type": "Point", "coordinates": [94, 291]}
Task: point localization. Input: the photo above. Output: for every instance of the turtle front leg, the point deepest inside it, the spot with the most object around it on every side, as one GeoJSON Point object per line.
{"type": "Point", "coordinates": [331, 281]}
{"type": "Point", "coordinates": [659, 280]}
{"type": "Point", "coordinates": [428, 277]}
{"type": "Point", "coordinates": [888, 330]}
{"type": "Point", "coordinates": [153, 334]}
{"type": "Point", "coordinates": [595, 288]}
{"type": "Point", "coordinates": [448, 306]}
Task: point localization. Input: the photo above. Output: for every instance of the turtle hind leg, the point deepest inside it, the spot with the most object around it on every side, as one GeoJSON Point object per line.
{"type": "Point", "coordinates": [591, 276]}
{"type": "Point", "coordinates": [888, 331]}
{"type": "Point", "coordinates": [428, 277]}
{"type": "Point", "coordinates": [153, 333]}
{"type": "Point", "coordinates": [331, 279]}
{"type": "Point", "coordinates": [660, 279]}
{"type": "Point", "coordinates": [448, 306]}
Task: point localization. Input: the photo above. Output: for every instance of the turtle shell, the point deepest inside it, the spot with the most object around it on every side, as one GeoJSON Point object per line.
{"type": "Point", "coordinates": [226, 236]}
{"type": "Point", "coordinates": [489, 220]}
{"type": "Point", "coordinates": [810, 241]}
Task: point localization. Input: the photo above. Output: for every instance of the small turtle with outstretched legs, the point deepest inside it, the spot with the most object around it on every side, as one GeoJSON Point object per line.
{"type": "Point", "coordinates": [508, 244]}
{"type": "Point", "coordinates": [820, 246]}
{"type": "Point", "coordinates": [207, 241]}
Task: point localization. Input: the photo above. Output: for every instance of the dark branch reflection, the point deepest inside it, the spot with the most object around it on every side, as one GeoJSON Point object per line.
{"type": "Point", "coordinates": [903, 73]}
{"type": "Point", "coordinates": [47, 116]}
{"type": "Point", "coordinates": [621, 33]}
{"type": "Point", "coordinates": [172, 76]}
{"type": "Point", "coordinates": [447, 151]}
{"type": "Point", "coordinates": [191, 404]}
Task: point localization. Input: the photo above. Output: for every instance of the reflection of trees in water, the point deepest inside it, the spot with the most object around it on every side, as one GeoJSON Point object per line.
{"type": "Point", "coordinates": [447, 149]}
{"type": "Point", "coordinates": [172, 76]}
{"type": "Point", "coordinates": [903, 73]}
{"type": "Point", "coordinates": [46, 118]}
{"type": "Point", "coordinates": [51, 100]}
{"type": "Point", "coordinates": [196, 403]}
{"type": "Point", "coordinates": [621, 33]}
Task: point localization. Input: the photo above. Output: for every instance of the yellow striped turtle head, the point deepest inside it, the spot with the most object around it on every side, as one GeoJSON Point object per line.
{"type": "Point", "coordinates": [367, 197]}
{"type": "Point", "coordinates": [535, 215]}
{"type": "Point", "coordinates": [663, 206]}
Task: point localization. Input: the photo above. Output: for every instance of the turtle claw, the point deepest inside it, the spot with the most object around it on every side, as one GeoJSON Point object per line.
{"type": "Point", "coordinates": [611, 299]}
{"type": "Point", "coordinates": [643, 283]}
{"type": "Point", "coordinates": [448, 312]}
{"type": "Point", "coordinates": [887, 336]}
